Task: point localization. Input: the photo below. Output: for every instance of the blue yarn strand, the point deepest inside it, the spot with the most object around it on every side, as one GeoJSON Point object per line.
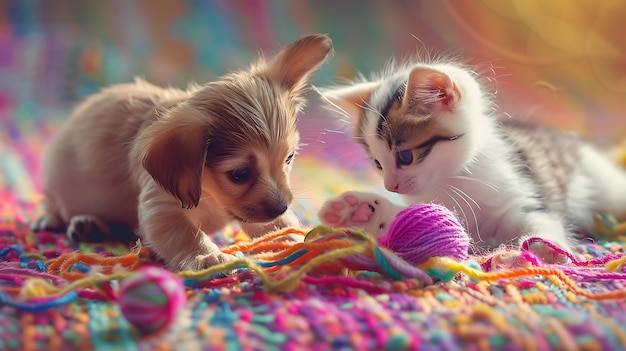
{"type": "Point", "coordinates": [5, 251]}
{"type": "Point", "coordinates": [384, 265]}
{"type": "Point", "coordinates": [39, 307]}
{"type": "Point", "coordinates": [81, 267]}
{"type": "Point", "coordinates": [294, 256]}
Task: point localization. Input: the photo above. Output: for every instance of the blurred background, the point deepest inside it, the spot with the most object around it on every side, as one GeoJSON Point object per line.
{"type": "Point", "coordinates": [558, 63]}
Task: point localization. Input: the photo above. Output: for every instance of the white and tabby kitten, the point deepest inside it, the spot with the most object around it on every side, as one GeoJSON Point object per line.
{"type": "Point", "coordinates": [431, 131]}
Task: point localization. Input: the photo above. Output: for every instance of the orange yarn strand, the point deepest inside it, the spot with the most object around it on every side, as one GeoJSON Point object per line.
{"type": "Point", "coordinates": [315, 247]}
{"type": "Point", "coordinates": [252, 245]}
{"type": "Point", "coordinates": [61, 266]}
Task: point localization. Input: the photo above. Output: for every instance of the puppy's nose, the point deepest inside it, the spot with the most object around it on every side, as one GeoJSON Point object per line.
{"type": "Point", "coordinates": [276, 210]}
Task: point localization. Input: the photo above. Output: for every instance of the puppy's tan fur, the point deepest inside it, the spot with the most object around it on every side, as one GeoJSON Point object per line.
{"type": "Point", "coordinates": [178, 165]}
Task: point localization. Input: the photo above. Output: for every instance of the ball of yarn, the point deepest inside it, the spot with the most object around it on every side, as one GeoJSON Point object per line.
{"type": "Point", "coordinates": [421, 231]}
{"type": "Point", "coordinates": [151, 299]}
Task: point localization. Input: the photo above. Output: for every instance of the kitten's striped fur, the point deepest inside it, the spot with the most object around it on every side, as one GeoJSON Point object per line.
{"type": "Point", "coordinates": [432, 132]}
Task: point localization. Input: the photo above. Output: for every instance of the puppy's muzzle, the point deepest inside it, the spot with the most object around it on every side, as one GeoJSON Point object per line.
{"type": "Point", "coordinates": [275, 210]}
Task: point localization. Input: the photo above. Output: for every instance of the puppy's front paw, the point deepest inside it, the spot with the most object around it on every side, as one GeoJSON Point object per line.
{"type": "Point", "coordinates": [51, 222]}
{"type": "Point", "coordinates": [87, 228]}
{"type": "Point", "coordinates": [204, 261]}
{"type": "Point", "coordinates": [365, 211]}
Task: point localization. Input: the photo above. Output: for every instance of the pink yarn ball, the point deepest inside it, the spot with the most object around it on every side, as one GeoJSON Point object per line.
{"type": "Point", "coordinates": [151, 299]}
{"type": "Point", "coordinates": [422, 231]}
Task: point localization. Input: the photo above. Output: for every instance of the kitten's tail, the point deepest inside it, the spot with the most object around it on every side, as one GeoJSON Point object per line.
{"type": "Point", "coordinates": [609, 178]}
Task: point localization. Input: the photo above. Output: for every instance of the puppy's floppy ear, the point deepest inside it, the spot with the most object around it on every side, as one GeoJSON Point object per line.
{"type": "Point", "coordinates": [173, 152]}
{"type": "Point", "coordinates": [292, 65]}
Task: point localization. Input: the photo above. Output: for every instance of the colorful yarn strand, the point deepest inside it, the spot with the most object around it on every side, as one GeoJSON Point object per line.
{"type": "Point", "coordinates": [327, 256]}
{"type": "Point", "coordinates": [324, 249]}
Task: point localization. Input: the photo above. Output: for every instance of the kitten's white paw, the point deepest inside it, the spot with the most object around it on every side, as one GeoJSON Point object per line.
{"type": "Point", "coordinates": [367, 211]}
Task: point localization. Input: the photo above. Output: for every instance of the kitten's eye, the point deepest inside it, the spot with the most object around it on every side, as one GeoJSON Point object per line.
{"type": "Point", "coordinates": [405, 157]}
{"type": "Point", "coordinates": [378, 165]}
{"type": "Point", "coordinates": [290, 158]}
{"type": "Point", "coordinates": [240, 175]}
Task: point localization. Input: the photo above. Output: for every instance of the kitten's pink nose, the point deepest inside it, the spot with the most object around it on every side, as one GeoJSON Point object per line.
{"type": "Point", "coordinates": [391, 182]}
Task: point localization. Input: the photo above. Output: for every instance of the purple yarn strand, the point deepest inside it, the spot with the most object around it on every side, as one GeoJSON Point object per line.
{"type": "Point", "coordinates": [422, 231]}
{"type": "Point", "coordinates": [404, 268]}
{"type": "Point", "coordinates": [58, 281]}
{"type": "Point", "coordinates": [15, 280]}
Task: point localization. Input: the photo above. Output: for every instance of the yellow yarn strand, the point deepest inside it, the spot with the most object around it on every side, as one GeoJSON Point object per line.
{"type": "Point", "coordinates": [288, 282]}
{"type": "Point", "coordinates": [38, 287]}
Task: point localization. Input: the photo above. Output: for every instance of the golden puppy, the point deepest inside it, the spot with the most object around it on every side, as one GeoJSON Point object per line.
{"type": "Point", "coordinates": [178, 165]}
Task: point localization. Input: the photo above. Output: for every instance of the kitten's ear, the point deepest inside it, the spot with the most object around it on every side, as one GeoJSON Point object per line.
{"type": "Point", "coordinates": [429, 90]}
{"type": "Point", "coordinates": [173, 151]}
{"type": "Point", "coordinates": [292, 65]}
{"type": "Point", "coordinates": [350, 100]}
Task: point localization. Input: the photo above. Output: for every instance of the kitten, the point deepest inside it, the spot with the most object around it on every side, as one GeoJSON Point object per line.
{"type": "Point", "coordinates": [432, 133]}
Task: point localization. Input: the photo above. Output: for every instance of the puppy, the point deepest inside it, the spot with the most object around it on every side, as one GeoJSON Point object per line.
{"type": "Point", "coordinates": [178, 165]}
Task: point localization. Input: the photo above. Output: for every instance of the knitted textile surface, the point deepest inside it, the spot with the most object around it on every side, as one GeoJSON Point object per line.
{"type": "Point", "coordinates": [504, 300]}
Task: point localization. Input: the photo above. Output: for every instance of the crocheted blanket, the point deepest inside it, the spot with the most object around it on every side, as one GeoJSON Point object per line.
{"type": "Point", "coordinates": [57, 295]}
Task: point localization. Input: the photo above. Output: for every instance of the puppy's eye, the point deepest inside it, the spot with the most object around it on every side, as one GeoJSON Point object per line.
{"type": "Point", "coordinates": [378, 165]}
{"type": "Point", "coordinates": [290, 158]}
{"type": "Point", "coordinates": [240, 175]}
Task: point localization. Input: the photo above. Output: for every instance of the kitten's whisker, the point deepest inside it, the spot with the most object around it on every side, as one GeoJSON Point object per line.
{"type": "Point", "coordinates": [375, 110]}
{"type": "Point", "coordinates": [335, 109]}
{"type": "Point", "coordinates": [366, 106]}
{"type": "Point", "coordinates": [484, 154]}
{"type": "Point", "coordinates": [478, 180]}
{"type": "Point", "coordinates": [369, 134]}
{"type": "Point", "coordinates": [334, 131]}
{"type": "Point", "coordinates": [329, 105]}
{"type": "Point", "coordinates": [454, 189]}
{"type": "Point", "coordinates": [464, 194]}
{"type": "Point", "coordinates": [458, 206]}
